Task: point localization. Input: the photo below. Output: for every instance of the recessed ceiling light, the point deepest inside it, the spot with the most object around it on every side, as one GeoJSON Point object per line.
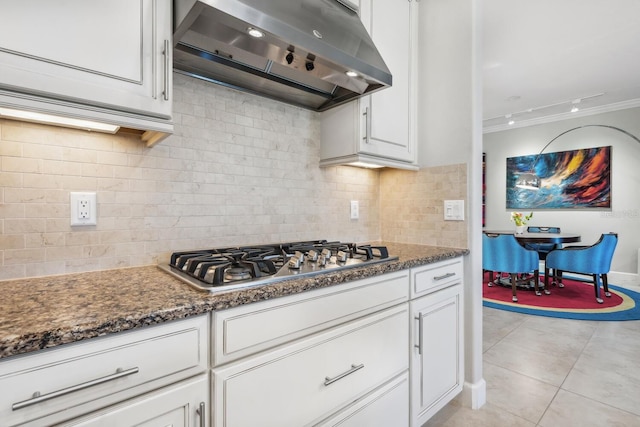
{"type": "Point", "coordinates": [254, 32]}
{"type": "Point", "coordinates": [351, 73]}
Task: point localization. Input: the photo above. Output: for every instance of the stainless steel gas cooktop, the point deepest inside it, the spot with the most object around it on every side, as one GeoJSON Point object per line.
{"type": "Point", "coordinates": [223, 269]}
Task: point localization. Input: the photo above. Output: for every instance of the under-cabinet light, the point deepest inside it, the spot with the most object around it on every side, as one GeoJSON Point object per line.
{"type": "Point", "coordinates": [49, 119]}
{"type": "Point", "coordinates": [364, 165]}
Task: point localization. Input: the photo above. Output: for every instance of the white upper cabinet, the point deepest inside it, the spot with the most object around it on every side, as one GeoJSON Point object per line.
{"type": "Point", "coordinates": [380, 129]}
{"type": "Point", "coordinates": [108, 61]}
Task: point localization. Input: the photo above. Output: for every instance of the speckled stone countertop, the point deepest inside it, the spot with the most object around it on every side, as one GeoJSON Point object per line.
{"type": "Point", "coordinates": [44, 312]}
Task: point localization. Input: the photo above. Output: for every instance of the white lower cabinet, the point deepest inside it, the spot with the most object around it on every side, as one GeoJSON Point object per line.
{"type": "Point", "coordinates": [299, 384]}
{"type": "Point", "coordinates": [181, 405]}
{"type": "Point", "coordinates": [437, 356]}
{"type": "Point", "coordinates": [71, 381]}
{"type": "Point", "coordinates": [332, 356]}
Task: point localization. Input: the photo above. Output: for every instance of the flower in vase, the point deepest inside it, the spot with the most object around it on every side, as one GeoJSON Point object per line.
{"type": "Point", "coordinates": [521, 219]}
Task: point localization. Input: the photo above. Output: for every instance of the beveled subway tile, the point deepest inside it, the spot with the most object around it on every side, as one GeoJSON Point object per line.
{"type": "Point", "coordinates": [572, 410]}
{"type": "Point", "coordinates": [516, 393]}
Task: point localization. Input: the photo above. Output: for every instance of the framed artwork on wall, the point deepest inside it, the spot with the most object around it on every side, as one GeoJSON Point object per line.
{"type": "Point", "coordinates": [576, 179]}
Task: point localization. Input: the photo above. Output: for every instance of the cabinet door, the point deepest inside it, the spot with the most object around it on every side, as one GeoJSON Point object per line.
{"type": "Point", "coordinates": [380, 129]}
{"type": "Point", "coordinates": [180, 405]}
{"type": "Point", "coordinates": [111, 54]}
{"type": "Point", "coordinates": [386, 125]}
{"type": "Point", "coordinates": [437, 352]}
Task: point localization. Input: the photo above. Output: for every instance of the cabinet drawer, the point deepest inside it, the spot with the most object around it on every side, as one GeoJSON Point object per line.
{"type": "Point", "coordinates": [176, 406]}
{"type": "Point", "coordinates": [65, 382]}
{"type": "Point", "coordinates": [248, 329]}
{"type": "Point", "coordinates": [433, 277]}
{"type": "Point", "coordinates": [304, 382]}
{"type": "Point", "coordinates": [384, 407]}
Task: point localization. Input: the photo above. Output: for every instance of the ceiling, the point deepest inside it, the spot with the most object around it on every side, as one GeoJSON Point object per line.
{"type": "Point", "coordinates": [543, 57]}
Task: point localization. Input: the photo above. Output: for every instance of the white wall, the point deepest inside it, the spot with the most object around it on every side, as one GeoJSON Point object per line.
{"type": "Point", "coordinates": [449, 132]}
{"type": "Point", "coordinates": [623, 217]}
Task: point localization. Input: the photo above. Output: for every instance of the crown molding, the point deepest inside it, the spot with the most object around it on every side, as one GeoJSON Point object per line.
{"type": "Point", "coordinates": [632, 103]}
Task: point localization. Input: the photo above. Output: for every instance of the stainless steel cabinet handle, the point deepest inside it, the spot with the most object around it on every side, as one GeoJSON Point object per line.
{"type": "Point", "coordinates": [367, 125]}
{"type": "Point", "coordinates": [37, 397]}
{"type": "Point", "coordinates": [202, 415]}
{"type": "Point", "coordinates": [328, 381]}
{"type": "Point", "coordinates": [444, 276]}
{"type": "Point", "coordinates": [419, 345]}
{"type": "Point", "coordinates": [167, 70]}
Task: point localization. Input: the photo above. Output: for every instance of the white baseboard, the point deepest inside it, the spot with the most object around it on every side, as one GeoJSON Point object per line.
{"type": "Point", "coordinates": [474, 395]}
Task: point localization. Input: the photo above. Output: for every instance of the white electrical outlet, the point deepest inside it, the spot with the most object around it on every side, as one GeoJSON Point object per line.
{"type": "Point", "coordinates": [355, 209]}
{"type": "Point", "coordinates": [83, 208]}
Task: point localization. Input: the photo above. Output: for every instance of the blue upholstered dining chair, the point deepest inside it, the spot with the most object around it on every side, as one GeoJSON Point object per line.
{"type": "Point", "coordinates": [543, 248]}
{"type": "Point", "coordinates": [594, 260]}
{"type": "Point", "coordinates": [503, 253]}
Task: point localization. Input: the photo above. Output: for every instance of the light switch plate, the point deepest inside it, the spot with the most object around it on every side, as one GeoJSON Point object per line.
{"type": "Point", "coordinates": [454, 210]}
{"type": "Point", "coordinates": [83, 208]}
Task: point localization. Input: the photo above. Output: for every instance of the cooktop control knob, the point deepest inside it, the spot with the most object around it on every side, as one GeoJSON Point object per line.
{"type": "Point", "coordinates": [322, 261]}
{"type": "Point", "coordinates": [341, 256]}
{"type": "Point", "coordinates": [294, 263]}
{"type": "Point", "coordinates": [300, 256]}
{"type": "Point", "coordinates": [312, 255]}
{"type": "Point", "coordinates": [326, 253]}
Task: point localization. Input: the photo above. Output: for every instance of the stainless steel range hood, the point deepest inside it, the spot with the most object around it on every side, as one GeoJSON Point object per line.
{"type": "Point", "coordinates": [303, 57]}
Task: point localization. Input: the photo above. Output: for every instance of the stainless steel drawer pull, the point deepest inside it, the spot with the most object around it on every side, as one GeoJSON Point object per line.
{"type": "Point", "coordinates": [202, 415]}
{"type": "Point", "coordinates": [444, 276]}
{"type": "Point", "coordinates": [367, 125]}
{"type": "Point", "coordinates": [354, 368]}
{"type": "Point", "coordinates": [38, 398]}
{"type": "Point", "coordinates": [167, 70]}
{"type": "Point", "coordinates": [419, 345]}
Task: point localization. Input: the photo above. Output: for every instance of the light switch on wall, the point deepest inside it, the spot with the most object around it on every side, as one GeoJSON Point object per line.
{"type": "Point", "coordinates": [454, 210]}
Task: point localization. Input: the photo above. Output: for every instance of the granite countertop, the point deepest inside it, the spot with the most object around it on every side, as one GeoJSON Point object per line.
{"type": "Point", "coordinates": [44, 312]}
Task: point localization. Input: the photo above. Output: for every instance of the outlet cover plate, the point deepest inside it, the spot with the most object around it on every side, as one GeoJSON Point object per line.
{"type": "Point", "coordinates": [83, 208]}
{"type": "Point", "coordinates": [355, 210]}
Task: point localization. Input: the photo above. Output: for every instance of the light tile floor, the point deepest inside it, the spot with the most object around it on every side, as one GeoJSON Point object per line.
{"type": "Point", "coordinates": [548, 372]}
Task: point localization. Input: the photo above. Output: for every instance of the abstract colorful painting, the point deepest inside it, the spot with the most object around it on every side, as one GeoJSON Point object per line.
{"type": "Point", "coordinates": [569, 180]}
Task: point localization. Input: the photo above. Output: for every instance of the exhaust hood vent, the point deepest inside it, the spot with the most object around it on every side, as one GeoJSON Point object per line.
{"type": "Point", "coordinates": [315, 54]}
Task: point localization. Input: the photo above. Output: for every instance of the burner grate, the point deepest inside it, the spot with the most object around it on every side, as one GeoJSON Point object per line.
{"type": "Point", "coordinates": [249, 265]}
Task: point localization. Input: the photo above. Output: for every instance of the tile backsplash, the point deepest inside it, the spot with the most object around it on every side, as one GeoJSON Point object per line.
{"type": "Point", "coordinates": [412, 205]}
{"type": "Point", "coordinates": [239, 169]}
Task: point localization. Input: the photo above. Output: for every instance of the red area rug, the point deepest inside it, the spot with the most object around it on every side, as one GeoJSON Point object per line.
{"type": "Point", "coordinates": [576, 300]}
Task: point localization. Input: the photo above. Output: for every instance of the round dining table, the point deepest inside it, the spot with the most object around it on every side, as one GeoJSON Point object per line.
{"type": "Point", "coordinates": [524, 238]}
